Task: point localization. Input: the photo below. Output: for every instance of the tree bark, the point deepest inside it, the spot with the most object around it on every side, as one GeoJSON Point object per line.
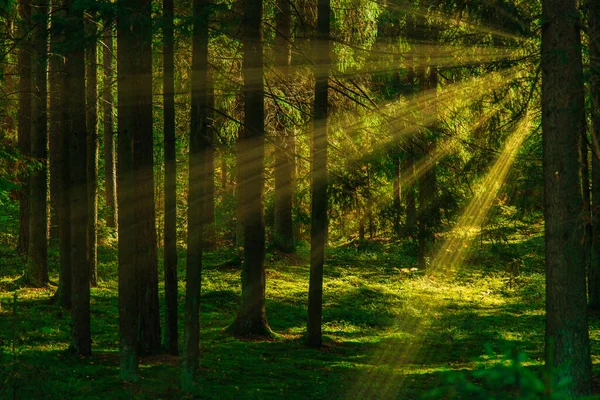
{"type": "Point", "coordinates": [209, 171]}
{"type": "Point", "coordinates": [24, 120]}
{"type": "Point", "coordinates": [170, 233]}
{"type": "Point", "coordinates": [567, 338]}
{"type": "Point", "coordinates": [251, 318]}
{"type": "Point", "coordinates": [92, 148]}
{"type": "Point", "coordinates": [284, 138]}
{"type": "Point", "coordinates": [110, 176]}
{"type": "Point", "coordinates": [55, 72]}
{"type": "Point", "coordinates": [60, 161]}
{"type": "Point", "coordinates": [128, 277]}
{"type": "Point", "coordinates": [77, 155]}
{"type": "Point", "coordinates": [145, 259]}
{"type": "Point", "coordinates": [318, 170]}
{"type": "Point", "coordinates": [36, 270]}
{"type": "Point", "coordinates": [593, 15]}
{"type": "Point", "coordinates": [196, 202]}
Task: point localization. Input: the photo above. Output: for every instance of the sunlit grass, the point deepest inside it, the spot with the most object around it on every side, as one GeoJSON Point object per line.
{"type": "Point", "coordinates": [449, 258]}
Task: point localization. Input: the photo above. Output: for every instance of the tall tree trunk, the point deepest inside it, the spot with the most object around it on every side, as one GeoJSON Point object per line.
{"type": "Point", "coordinates": [284, 139]}
{"type": "Point", "coordinates": [318, 171]}
{"type": "Point", "coordinates": [77, 155]}
{"type": "Point", "coordinates": [24, 119]}
{"type": "Point", "coordinates": [251, 318]}
{"type": "Point", "coordinates": [92, 147]}
{"type": "Point", "coordinates": [60, 160]}
{"type": "Point", "coordinates": [36, 270]}
{"type": "Point", "coordinates": [410, 226]}
{"type": "Point", "coordinates": [128, 277]}
{"type": "Point", "coordinates": [110, 176]}
{"type": "Point", "coordinates": [170, 240]}
{"type": "Point", "coordinates": [209, 170]}
{"type": "Point", "coordinates": [567, 338]}
{"type": "Point", "coordinates": [198, 147]}
{"type": "Point", "coordinates": [146, 263]}
{"type": "Point", "coordinates": [55, 72]}
{"type": "Point", "coordinates": [593, 15]}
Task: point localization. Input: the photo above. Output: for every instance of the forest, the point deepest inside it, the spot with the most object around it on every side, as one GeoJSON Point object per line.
{"type": "Point", "coordinates": [300, 199]}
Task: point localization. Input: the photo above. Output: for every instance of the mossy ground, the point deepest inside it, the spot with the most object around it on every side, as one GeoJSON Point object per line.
{"type": "Point", "coordinates": [391, 331]}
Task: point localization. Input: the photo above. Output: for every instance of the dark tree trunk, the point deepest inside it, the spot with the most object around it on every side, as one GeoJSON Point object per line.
{"type": "Point", "coordinates": [567, 338]}
{"type": "Point", "coordinates": [55, 72]}
{"type": "Point", "coordinates": [171, 331]}
{"type": "Point", "coordinates": [24, 120]}
{"type": "Point", "coordinates": [209, 240]}
{"type": "Point", "coordinates": [593, 15]}
{"type": "Point", "coordinates": [77, 155]}
{"type": "Point", "coordinates": [197, 186]}
{"type": "Point", "coordinates": [284, 139]}
{"type": "Point", "coordinates": [145, 259]}
{"type": "Point", "coordinates": [251, 318]}
{"type": "Point", "coordinates": [128, 277]}
{"type": "Point", "coordinates": [92, 148]}
{"type": "Point", "coordinates": [60, 159]}
{"type": "Point", "coordinates": [239, 205]}
{"type": "Point", "coordinates": [318, 170]}
{"type": "Point", "coordinates": [110, 176]}
{"type": "Point", "coordinates": [36, 270]}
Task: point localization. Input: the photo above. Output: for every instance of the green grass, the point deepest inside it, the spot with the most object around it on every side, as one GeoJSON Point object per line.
{"type": "Point", "coordinates": [390, 330]}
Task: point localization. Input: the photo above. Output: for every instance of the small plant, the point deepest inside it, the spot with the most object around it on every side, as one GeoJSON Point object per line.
{"type": "Point", "coordinates": [510, 378]}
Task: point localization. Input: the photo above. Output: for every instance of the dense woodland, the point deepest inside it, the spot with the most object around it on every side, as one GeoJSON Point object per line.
{"type": "Point", "coordinates": [300, 199]}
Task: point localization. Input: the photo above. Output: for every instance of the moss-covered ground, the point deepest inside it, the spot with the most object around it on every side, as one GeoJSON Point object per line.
{"type": "Point", "coordinates": [391, 330]}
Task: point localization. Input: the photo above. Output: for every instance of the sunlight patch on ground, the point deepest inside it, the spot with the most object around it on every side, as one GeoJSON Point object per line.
{"type": "Point", "coordinates": [451, 255]}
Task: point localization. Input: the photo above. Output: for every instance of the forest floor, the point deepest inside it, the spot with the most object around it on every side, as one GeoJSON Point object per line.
{"type": "Point", "coordinates": [391, 331]}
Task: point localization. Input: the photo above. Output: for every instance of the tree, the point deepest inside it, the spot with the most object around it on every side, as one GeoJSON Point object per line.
{"type": "Point", "coordinates": [593, 17]}
{"type": "Point", "coordinates": [318, 170]}
{"type": "Point", "coordinates": [170, 234]}
{"type": "Point", "coordinates": [36, 269]}
{"type": "Point", "coordinates": [55, 121]}
{"type": "Point", "coordinates": [567, 340]}
{"type": "Point", "coordinates": [24, 118]}
{"type": "Point", "coordinates": [110, 176]}
{"type": "Point", "coordinates": [60, 155]}
{"type": "Point", "coordinates": [251, 317]}
{"type": "Point", "coordinates": [77, 159]}
{"type": "Point", "coordinates": [145, 259]}
{"type": "Point", "coordinates": [128, 277]}
{"type": "Point", "coordinates": [91, 73]}
{"type": "Point", "coordinates": [284, 139]}
{"type": "Point", "coordinates": [196, 202]}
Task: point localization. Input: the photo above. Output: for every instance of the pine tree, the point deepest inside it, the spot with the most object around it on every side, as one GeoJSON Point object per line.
{"type": "Point", "coordinates": [567, 340]}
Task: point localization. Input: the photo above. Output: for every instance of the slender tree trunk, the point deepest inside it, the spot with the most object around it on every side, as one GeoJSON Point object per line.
{"type": "Point", "coordinates": [251, 318]}
{"type": "Point", "coordinates": [197, 186]}
{"type": "Point", "coordinates": [318, 170]}
{"type": "Point", "coordinates": [110, 176]}
{"type": "Point", "coordinates": [36, 270]}
{"type": "Point", "coordinates": [77, 155]}
{"type": "Point", "coordinates": [170, 240]}
{"type": "Point", "coordinates": [567, 338]}
{"type": "Point", "coordinates": [284, 139]}
{"type": "Point", "coordinates": [397, 195]}
{"type": "Point", "coordinates": [24, 119]}
{"type": "Point", "coordinates": [145, 259]}
{"type": "Point", "coordinates": [92, 148]}
{"type": "Point", "coordinates": [55, 72]}
{"type": "Point", "coordinates": [209, 170]}
{"type": "Point", "coordinates": [593, 15]}
{"type": "Point", "coordinates": [61, 163]}
{"type": "Point", "coordinates": [128, 277]}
